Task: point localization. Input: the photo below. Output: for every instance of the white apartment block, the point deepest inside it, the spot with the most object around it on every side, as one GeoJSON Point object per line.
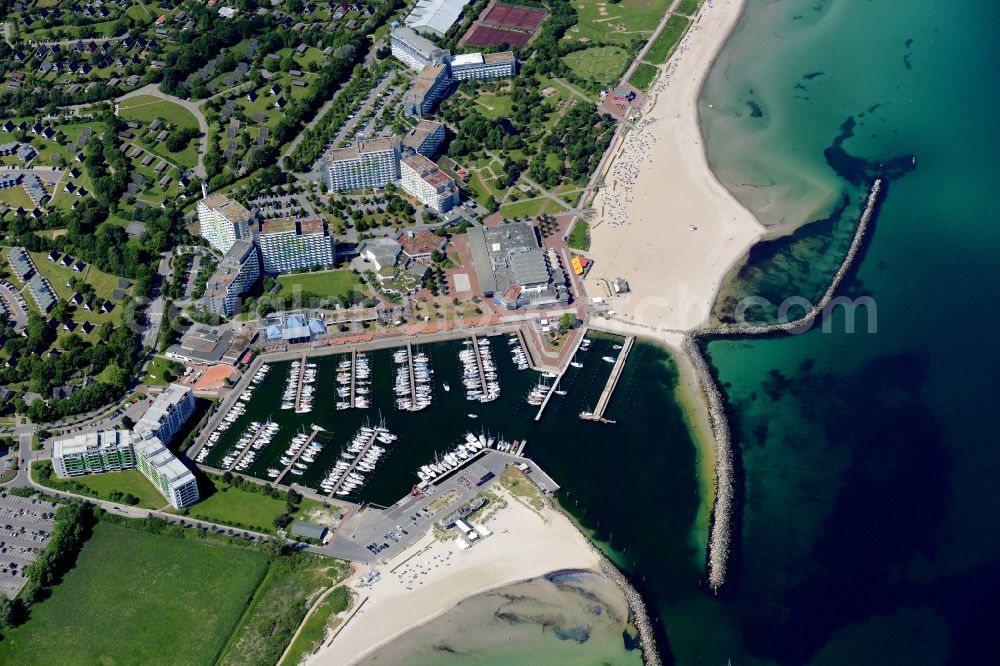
{"type": "Point", "coordinates": [413, 50]}
{"type": "Point", "coordinates": [422, 179]}
{"type": "Point", "coordinates": [288, 244]}
{"type": "Point", "coordinates": [168, 413]}
{"type": "Point", "coordinates": [118, 450]}
{"type": "Point", "coordinates": [92, 453]}
{"type": "Point", "coordinates": [425, 138]}
{"type": "Point", "coordinates": [483, 66]}
{"type": "Point", "coordinates": [428, 88]}
{"type": "Point", "coordinates": [222, 221]}
{"type": "Point", "coordinates": [170, 476]}
{"type": "Point", "coordinates": [364, 164]}
{"type": "Point", "coordinates": [237, 272]}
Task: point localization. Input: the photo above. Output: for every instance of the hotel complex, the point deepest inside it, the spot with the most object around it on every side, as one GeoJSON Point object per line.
{"type": "Point", "coordinates": [142, 448]}
{"type": "Point", "coordinates": [365, 164]}
{"type": "Point", "coordinates": [222, 221]}
{"type": "Point", "coordinates": [422, 179]}
{"type": "Point", "coordinates": [413, 50]}
{"type": "Point", "coordinates": [482, 66]}
{"type": "Point", "coordinates": [237, 272]}
{"type": "Point", "coordinates": [288, 244]}
{"type": "Point", "coordinates": [428, 88]}
{"type": "Point", "coordinates": [425, 138]}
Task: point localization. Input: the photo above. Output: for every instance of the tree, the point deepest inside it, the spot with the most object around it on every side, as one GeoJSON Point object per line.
{"type": "Point", "coordinates": [567, 321]}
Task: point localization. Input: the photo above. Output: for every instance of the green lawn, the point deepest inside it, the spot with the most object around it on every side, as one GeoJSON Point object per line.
{"type": "Point", "coordinates": [16, 197]}
{"type": "Point", "coordinates": [689, 7]}
{"type": "Point", "coordinates": [643, 76]}
{"type": "Point", "coordinates": [130, 482]}
{"type": "Point", "coordinates": [147, 108]}
{"type": "Point", "coordinates": [232, 505]}
{"type": "Point", "coordinates": [602, 22]}
{"type": "Point", "coordinates": [314, 628]}
{"type": "Point", "coordinates": [526, 208]}
{"type": "Point", "coordinates": [667, 40]}
{"type": "Point", "coordinates": [139, 598]}
{"type": "Point", "coordinates": [340, 283]}
{"type": "Point", "coordinates": [601, 64]}
{"type": "Point", "coordinates": [154, 371]}
{"type": "Point", "coordinates": [579, 236]}
{"type": "Point", "coordinates": [494, 106]}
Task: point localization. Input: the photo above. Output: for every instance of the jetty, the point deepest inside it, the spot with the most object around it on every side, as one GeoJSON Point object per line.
{"type": "Point", "coordinates": [479, 363]}
{"type": "Point", "coordinates": [413, 380]}
{"type": "Point", "coordinates": [354, 375]}
{"type": "Point", "coordinates": [354, 463]}
{"type": "Point", "coordinates": [555, 384]}
{"type": "Point", "coordinates": [609, 388]}
{"type": "Point", "coordinates": [246, 450]}
{"type": "Point", "coordinates": [300, 384]}
{"type": "Point", "coordinates": [298, 454]}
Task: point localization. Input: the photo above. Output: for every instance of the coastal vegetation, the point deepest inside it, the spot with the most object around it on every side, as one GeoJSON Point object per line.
{"type": "Point", "coordinates": [643, 76]}
{"type": "Point", "coordinates": [315, 626]}
{"type": "Point", "coordinates": [667, 40]}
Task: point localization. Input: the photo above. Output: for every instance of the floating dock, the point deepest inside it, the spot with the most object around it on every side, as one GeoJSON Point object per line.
{"type": "Point", "coordinates": [479, 363]}
{"type": "Point", "coordinates": [245, 451]}
{"type": "Point", "coordinates": [609, 388]}
{"type": "Point", "coordinates": [301, 383]}
{"type": "Point", "coordinates": [413, 380]}
{"type": "Point", "coordinates": [555, 384]}
{"type": "Point", "coordinates": [298, 454]}
{"type": "Point", "coordinates": [354, 463]}
{"type": "Point", "coordinates": [354, 375]}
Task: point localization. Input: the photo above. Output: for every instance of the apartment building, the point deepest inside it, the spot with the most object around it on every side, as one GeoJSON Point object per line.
{"type": "Point", "coordinates": [425, 138]}
{"type": "Point", "coordinates": [422, 179]}
{"type": "Point", "coordinates": [93, 452]}
{"type": "Point", "coordinates": [364, 164]}
{"type": "Point", "coordinates": [413, 50]}
{"type": "Point", "coordinates": [483, 66]}
{"type": "Point", "coordinates": [170, 476]}
{"type": "Point", "coordinates": [429, 87]}
{"type": "Point", "coordinates": [169, 412]}
{"type": "Point", "coordinates": [288, 244]}
{"type": "Point", "coordinates": [222, 221]}
{"type": "Point", "coordinates": [236, 273]}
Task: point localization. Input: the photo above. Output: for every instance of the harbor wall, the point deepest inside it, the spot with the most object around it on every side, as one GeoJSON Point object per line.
{"type": "Point", "coordinates": [721, 530]}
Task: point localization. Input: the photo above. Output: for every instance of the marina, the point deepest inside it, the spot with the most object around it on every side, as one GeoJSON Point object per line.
{"type": "Point", "coordinates": [414, 380]}
{"type": "Point", "coordinates": [619, 364]}
{"type": "Point", "coordinates": [299, 448]}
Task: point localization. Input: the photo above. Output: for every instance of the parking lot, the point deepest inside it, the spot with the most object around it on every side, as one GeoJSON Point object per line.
{"type": "Point", "coordinates": [25, 528]}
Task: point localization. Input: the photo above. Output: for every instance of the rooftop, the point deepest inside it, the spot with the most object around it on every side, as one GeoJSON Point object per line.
{"type": "Point", "coordinates": [163, 461]}
{"type": "Point", "coordinates": [229, 209]}
{"type": "Point", "coordinates": [91, 442]}
{"type": "Point", "coordinates": [162, 406]}
{"type": "Point", "coordinates": [202, 343]}
{"type": "Point", "coordinates": [418, 43]}
{"type": "Point", "coordinates": [416, 136]}
{"type": "Point", "coordinates": [436, 16]}
{"type": "Point", "coordinates": [290, 224]}
{"type": "Point", "coordinates": [359, 148]}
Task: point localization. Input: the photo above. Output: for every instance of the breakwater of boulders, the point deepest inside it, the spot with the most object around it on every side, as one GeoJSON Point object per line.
{"type": "Point", "coordinates": [720, 536]}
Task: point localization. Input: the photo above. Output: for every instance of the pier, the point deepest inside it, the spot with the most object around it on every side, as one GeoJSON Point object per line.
{"type": "Point", "coordinates": [298, 454]}
{"type": "Point", "coordinates": [354, 374]}
{"type": "Point", "coordinates": [555, 384]}
{"type": "Point", "coordinates": [246, 450]}
{"type": "Point", "coordinates": [298, 389]}
{"type": "Point", "coordinates": [413, 381]}
{"type": "Point", "coordinates": [609, 388]}
{"type": "Point", "coordinates": [354, 463]}
{"type": "Point", "coordinates": [479, 363]}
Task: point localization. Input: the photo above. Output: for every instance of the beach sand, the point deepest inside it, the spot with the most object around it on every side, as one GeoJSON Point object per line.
{"type": "Point", "coordinates": [665, 223]}
{"type": "Point", "coordinates": [525, 544]}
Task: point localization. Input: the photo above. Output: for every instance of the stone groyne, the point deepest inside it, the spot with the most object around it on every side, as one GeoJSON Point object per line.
{"type": "Point", "coordinates": [647, 642]}
{"type": "Point", "coordinates": [720, 536]}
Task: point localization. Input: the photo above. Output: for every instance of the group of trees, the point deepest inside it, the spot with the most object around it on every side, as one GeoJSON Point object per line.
{"type": "Point", "coordinates": [577, 144]}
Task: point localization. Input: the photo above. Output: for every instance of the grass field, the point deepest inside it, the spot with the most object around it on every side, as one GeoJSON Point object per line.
{"type": "Point", "coordinates": [605, 23]}
{"type": "Point", "coordinates": [667, 40]}
{"type": "Point", "coordinates": [340, 283]}
{"type": "Point", "coordinates": [147, 108]}
{"type": "Point", "coordinates": [139, 598]}
{"type": "Point", "coordinates": [102, 485]}
{"type": "Point", "coordinates": [643, 76]}
{"type": "Point", "coordinates": [16, 197]}
{"type": "Point", "coordinates": [530, 208]}
{"type": "Point", "coordinates": [579, 236]}
{"type": "Point", "coordinates": [232, 505]}
{"type": "Point", "coordinates": [314, 628]}
{"type": "Point", "coordinates": [154, 372]}
{"type": "Point", "coordinates": [291, 586]}
{"type": "Point", "coordinates": [689, 7]}
{"type": "Point", "coordinates": [601, 64]}
{"type": "Point", "coordinates": [494, 106]}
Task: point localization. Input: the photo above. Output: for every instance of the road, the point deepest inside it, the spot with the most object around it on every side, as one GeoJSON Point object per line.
{"type": "Point", "coordinates": [154, 313]}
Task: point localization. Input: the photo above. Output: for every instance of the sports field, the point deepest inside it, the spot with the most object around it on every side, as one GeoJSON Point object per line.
{"type": "Point", "coordinates": [601, 64]}
{"type": "Point", "coordinates": [511, 16]}
{"type": "Point", "coordinates": [481, 35]}
{"type": "Point", "coordinates": [139, 598]}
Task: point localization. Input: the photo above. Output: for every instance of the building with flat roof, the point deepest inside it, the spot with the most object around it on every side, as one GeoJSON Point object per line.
{"type": "Point", "coordinates": [301, 528]}
{"type": "Point", "coordinates": [92, 453]}
{"type": "Point", "coordinates": [222, 221]}
{"type": "Point", "coordinates": [168, 413]}
{"type": "Point", "coordinates": [170, 476]}
{"type": "Point", "coordinates": [425, 138]}
{"type": "Point", "coordinates": [429, 86]}
{"type": "Point", "coordinates": [202, 344]}
{"type": "Point", "coordinates": [118, 450]}
{"type": "Point", "coordinates": [236, 273]}
{"type": "Point", "coordinates": [288, 244]}
{"type": "Point", "coordinates": [512, 268]}
{"type": "Point", "coordinates": [435, 16]}
{"type": "Point", "coordinates": [422, 179]}
{"type": "Point", "coordinates": [468, 66]}
{"type": "Point", "coordinates": [364, 164]}
{"type": "Point", "coordinates": [382, 252]}
{"type": "Point", "coordinates": [414, 50]}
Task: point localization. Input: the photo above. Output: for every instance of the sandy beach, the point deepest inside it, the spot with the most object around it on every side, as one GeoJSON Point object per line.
{"type": "Point", "coordinates": [665, 222]}
{"type": "Point", "coordinates": [430, 577]}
